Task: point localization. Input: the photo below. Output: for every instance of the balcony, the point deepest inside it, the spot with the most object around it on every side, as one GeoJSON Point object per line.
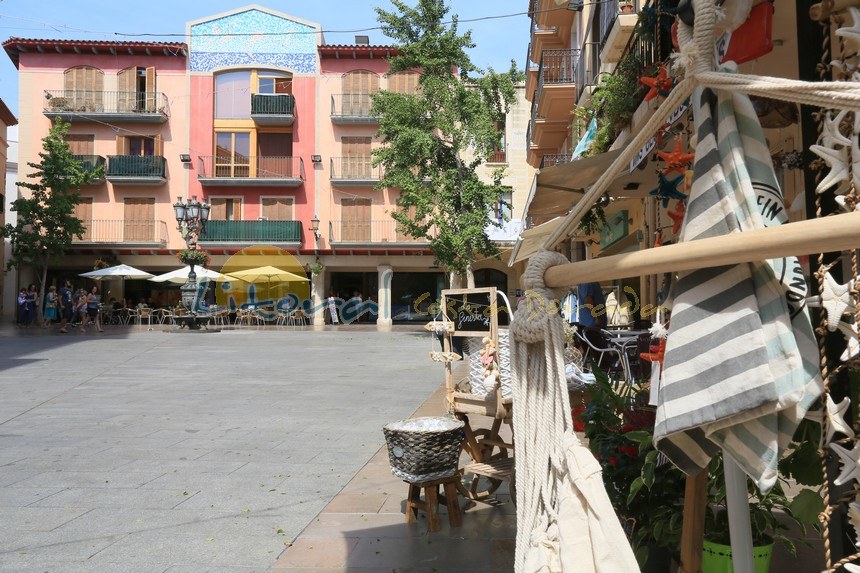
{"type": "Point", "coordinates": [556, 91]}
{"type": "Point", "coordinates": [86, 105]}
{"type": "Point", "coordinates": [531, 75]}
{"type": "Point", "coordinates": [616, 27]}
{"type": "Point", "coordinates": [273, 109]}
{"type": "Point", "coordinates": [253, 232]}
{"type": "Point", "coordinates": [381, 233]}
{"type": "Point", "coordinates": [551, 159]}
{"type": "Point", "coordinates": [90, 163]}
{"type": "Point", "coordinates": [120, 232]}
{"type": "Point", "coordinates": [551, 14]}
{"type": "Point", "coordinates": [498, 157]}
{"type": "Point", "coordinates": [352, 109]}
{"type": "Point", "coordinates": [136, 170]}
{"type": "Point", "coordinates": [354, 172]}
{"type": "Point", "coordinates": [251, 171]}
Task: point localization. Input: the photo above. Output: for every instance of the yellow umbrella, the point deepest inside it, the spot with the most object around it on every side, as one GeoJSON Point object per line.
{"type": "Point", "coordinates": [268, 273]}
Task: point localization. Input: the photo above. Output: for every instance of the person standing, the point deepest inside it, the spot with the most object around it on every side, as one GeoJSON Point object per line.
{"type": "Point", "coordinates": [91, 307]}
{"type": "Point", "coordinates": [65, 301]}
{"type": "Point", "coordinates": [591, 305]}
{"type": "Point", "coordinates": [50, 313]}
{"type": "Point", "coordinates": [32, 297]}
{"type": "Point", "coordinates": [22, 307]}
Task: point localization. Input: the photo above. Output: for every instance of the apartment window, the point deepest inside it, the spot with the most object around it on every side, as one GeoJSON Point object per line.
{"type": "Point", "coordinates": [233, 95]}
{"type": "Point", "coordinates": [356, 159]}
{"type": "Point", "coordinates": [84, 212]}
{"type": "Point", "coordinates": [357, 87]}
{"type": "Point", "coordinates": [136, 89]}
{"type": "Point", "coordinates": [81, 144]}
{"type": "Point", "coordinates": [499, 154]}
{"type": "Point", "coordinates": [277, 208]}
{"type": "Point", "coordinates": [84, 87]}
{"type": "Point", "coordinates": [139, 219]}
{"type": "Point", "coordinates": [502, 207]}
{"type": "Point", "coordinates": [403, 82]}
{"type": "Point", "coordinates": [274, 83]}
{"type": "Point", "coordinates": [232, 154]}
{"type": "Point", "coordinates": [225, 209]}
{"type": "Point", "coordinates": [274, 154]}
{"type": "Point", "coordinates": [139, 145]}
{"type": "Point", "coordinates": [355, 219]}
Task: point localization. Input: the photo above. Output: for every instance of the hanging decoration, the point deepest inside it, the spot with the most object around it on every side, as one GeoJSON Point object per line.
{"type": "Point", "coordinates": [667, 189]}
{"type": "Point", "coordinates": [677, 216]}
{"type": "Point", "coordinates": [659, 85]}
{"type": "Point", "coordinates": [850, 463]}
{"type": "Point", "coordinates": [835, 299]}
{"type": "Point", "coordinates": [676, 160]}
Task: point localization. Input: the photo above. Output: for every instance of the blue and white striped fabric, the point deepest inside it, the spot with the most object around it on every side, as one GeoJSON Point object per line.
{"type": "Point", "coordinates": [740, 369]}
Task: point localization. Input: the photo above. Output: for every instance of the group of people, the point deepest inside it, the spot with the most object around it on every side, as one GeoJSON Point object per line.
{"type": "Point", "coordinates": [64, 305]}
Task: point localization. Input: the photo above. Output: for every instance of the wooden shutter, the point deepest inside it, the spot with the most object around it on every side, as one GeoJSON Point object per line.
{"type": "Point", "coordinates": [236, 207]}
{"type": "Point", "coordinates": [278, 208]}
{"type": "Point", "coordinates": [401, 236]}
{"type": "Point", "coordinates": [151, 100]}
{"type": "Point", "coordinates": [403, 82]}
{"type": "Point", "coordinates": [139, 223]}
{"type": "Point", "coordinates": [122, 145]}
{"type": "Point", "coordinates": [126, 95]}
{"type": "Point", "coordinates": [80, 144]}
{"type": "Point", "coordinates": [219, 209]}
{"type": "Point", "coordinates": [158, 145]}
{"type": "Point", "coordinates": [355, 163]}
{"type": "Point", "coordinates": [355, 220]}
{"type": "Point", "coordinates": [84, 212]}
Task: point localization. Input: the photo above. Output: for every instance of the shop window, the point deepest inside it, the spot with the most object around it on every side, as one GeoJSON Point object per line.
{"type": "Point", "coordinates": [233, 95]}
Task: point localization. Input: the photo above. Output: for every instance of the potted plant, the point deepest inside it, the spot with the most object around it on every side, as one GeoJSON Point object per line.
{"type": "Point", "coordinates": [642, 486]}
{"type": "Point", "coordinates": [625, 7]}
{"type": "Point", "coordinates": [197, 257]}
{"type": "Point", "coordinates": [317, 268]}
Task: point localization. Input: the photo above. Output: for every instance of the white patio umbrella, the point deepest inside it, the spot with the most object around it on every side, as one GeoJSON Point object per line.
{"type": "Point", "coordinates": [180, 276]}
{"type": "Point", "coordinates": [120, 272]}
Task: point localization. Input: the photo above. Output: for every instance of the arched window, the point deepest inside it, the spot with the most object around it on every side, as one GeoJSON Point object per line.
{"type": "Point", "coordinates": [403, 82]}
{"type": "Point", "coordinates": [84, 87]}
{"type": "Point", "coordinates": [233, 95]}
{"type": "Point", "coordinates": [360, 82]}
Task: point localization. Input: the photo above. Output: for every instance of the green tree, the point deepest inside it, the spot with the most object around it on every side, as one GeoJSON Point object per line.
{"type": "Point", "coordinates": [428, 134]}
{"type": "Point", "coordinates": [46, 222]}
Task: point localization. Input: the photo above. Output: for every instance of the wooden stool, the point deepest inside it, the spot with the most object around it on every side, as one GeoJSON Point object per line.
{"type": "Point", "coordinates": [430, 505]}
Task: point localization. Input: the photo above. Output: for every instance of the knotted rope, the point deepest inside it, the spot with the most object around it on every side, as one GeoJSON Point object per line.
{"type": "Point", "coordinates": [542, 406]}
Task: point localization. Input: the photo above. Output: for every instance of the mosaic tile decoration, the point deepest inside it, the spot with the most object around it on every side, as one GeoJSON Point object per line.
{"type": "Point", "coordinates": [295, 51]}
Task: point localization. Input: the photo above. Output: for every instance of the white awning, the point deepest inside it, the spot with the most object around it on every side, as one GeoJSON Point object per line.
{"type": "Point", "coordinates": [531, 240]}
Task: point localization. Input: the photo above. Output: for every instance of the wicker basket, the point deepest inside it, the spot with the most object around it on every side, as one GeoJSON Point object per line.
{"type": "Point", "coordinates": [424, 449]}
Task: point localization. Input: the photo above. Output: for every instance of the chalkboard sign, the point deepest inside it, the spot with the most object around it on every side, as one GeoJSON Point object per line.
{"type": "Point", "coordinates": [472, 310]}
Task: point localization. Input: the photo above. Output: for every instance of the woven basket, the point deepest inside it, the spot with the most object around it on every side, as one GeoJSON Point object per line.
{"type": "Point", "coordinates": [424, 449]}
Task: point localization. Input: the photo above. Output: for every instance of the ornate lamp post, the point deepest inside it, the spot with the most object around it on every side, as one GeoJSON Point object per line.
{"type": "Point", "coordinates": [191, 218]}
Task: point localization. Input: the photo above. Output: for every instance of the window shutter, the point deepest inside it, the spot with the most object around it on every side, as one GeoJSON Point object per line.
{"type": "Point", "coordinates": [151, 100]}
{"type": "Point", "coordinates": [219, 209]}
{"type": "Point", "coordinates": [121, 145]}
{"type": "Point", "coordinates": [158, 145]}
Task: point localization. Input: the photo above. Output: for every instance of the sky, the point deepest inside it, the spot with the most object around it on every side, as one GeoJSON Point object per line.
{"type": "Point", "coordinates": [498, 40]}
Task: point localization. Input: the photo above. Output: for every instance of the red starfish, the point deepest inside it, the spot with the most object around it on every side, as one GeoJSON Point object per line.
{"type": "Point", "coordinates": [662, 132]}
{"type": "Point", "coordinates": [658, 352]}
{"type": "Point", "coordinates": [661, 84]}
{"type": "Point", "coordinates": [676, 160]}
{"type": "Point", "coordinates": [658, 239]}
{"type": "Point", "coordinates": [677, 216]}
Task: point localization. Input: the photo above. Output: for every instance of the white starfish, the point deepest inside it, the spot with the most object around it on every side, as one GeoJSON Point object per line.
{"type": "Point", "coordinates": [837, 160]}
{"type": "Point", "coordinates": [850, 464]}
{"type": "Point", "coordinates": [854, 518]}
{"type": "Point", "coordinates": [836, 300]}
{"type": "Point", "coordinates": [851, 33]}
{"type": "Point", "coordinates": [849, 331]}
{"type": "Point", "coordinates": [836, 418]}
{"type": "Point", "coordinates": [852, 568]}
{"type": "Point", "coordinates": [831, 135]}
{"type": "Point", "coordinates": [840, 199]}
{"type": "Point", "coordinates": [855, 160]}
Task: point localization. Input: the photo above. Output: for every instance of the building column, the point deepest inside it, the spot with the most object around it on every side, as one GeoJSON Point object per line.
{"type": "Point", "coordinates": [318, 297]}
{"type": "Point", "coordinates": [386, 274]}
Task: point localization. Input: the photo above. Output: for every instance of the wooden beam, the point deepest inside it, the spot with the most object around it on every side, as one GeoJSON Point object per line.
{"type": "Point", "coordinates": [21, 48]}
{"type": "Point", "coordinates": [830, 234]}
{"type": "Point", "coordinates": [148, 53]}
{"type": "Point", "coordinates": [693, 528]}
{"type": "Point", "coordinates": [130, 52]}
{"type": "Point", "coordinates": [112, 50]}
{"type": "Point", "coordinates": [94, 49]}
{"type": "Point", "coordinates": [164, 51]}
{"type": "Point", "coordinates": [40, 49]}
{"type": "Point", "coordinates": [58, 49]}
{"type": "Point", "coordinates": [77, 49]}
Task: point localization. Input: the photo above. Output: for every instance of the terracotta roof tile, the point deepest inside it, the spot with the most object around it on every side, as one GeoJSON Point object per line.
{"type": "Point", "coordinates": [14, 46]}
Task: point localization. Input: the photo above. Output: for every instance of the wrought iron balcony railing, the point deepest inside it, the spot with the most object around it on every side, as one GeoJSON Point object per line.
{"type": "Point", "coordinates": [236, 170]}
{"type": "Point", "coordinates": [557, 67]}
{"type": "Point", "coordinates": [123, 232]}
{"type": "Point", "coordinates": [551, 159]}
{"type": "Point", "coordinates": [136, 168]}
{"type": "Point", "coordinates": [498, 156]}
{"type": "Point", "coordinates": [370, 232]}
{"type": "Point", "coordinates": [252, 232]}
{"type": "Point", "coordinates": [357, 170]}
{"type": "Point", "coordinates": [273, 109]}
{"type": "Point", "coordinates": [352, 108]}
{"type": "Point", "coordinates": [129, 106]}
{"type": "Point", "coordinates": [90, 163]}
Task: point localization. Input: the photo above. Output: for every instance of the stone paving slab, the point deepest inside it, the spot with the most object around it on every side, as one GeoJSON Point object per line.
{"type": "Point", "coordinates": [150, 452]}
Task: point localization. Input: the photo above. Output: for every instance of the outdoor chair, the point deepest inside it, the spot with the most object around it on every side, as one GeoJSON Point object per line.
{"type": "Point", "coordinates": [602, 353]}
{"type": "Point", "coordinates": [167, 316]}
{"type": "Point", "coordinates": [145, 314]}
{"type": "Point", "coordinates": [301, 317]}
{"type": "Point", "coordinates": [131, 315]}
{"type": "Point", "coordinates": [283, 317]}
{"type": "Point", "coordinates": [243, 316]}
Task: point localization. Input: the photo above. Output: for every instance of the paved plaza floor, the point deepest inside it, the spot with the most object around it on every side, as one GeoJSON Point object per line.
{"type": "Point", "coordinates": [137, 451]}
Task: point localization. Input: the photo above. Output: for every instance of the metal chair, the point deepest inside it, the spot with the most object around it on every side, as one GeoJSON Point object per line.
{"type": "Point", "coordinates": [597, 343]}
{"type": "Point", "coordinates": [145, 314]}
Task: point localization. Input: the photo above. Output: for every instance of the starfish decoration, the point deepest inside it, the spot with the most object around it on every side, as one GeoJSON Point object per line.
{"type": "Point", "coordinates": [676, 160]}
{"type": "Point", "coordinates": [848, 567]}
{"type": "Point", "coordinates": [836, 300]}
{"type": "Point", "coordinates": [835, 418]}
{"type": "Point", "coordinates": [850, 464]}
{"type": "Point", "coordinates": [851, 33]}
{"type": "Point", "coordinates": [837, 160]}
{"type": "Point", "coordinates": [849, 331]}
{"type": "Point", "coordinates": [842, 201]}
{"type": "Point", "coordinates": [657, 353]}
{"type": "Point", "coordinates": [662, 132]}
{"type": "Point", "coordinates": [658, 239]}
{"type": "Point", "coordinates": [661, 84]}
{"type": "Point", "coordinates": [667, 189]}
{"type": "Point", "coordinates": [830, 134]}
{"type": "Point", "coordinates": [677, 216]}
{"type": "Point", "coordinates": [855, 160]}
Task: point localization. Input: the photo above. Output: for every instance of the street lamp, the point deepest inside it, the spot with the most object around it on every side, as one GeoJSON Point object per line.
{"type": "Point", "coordinates": [315, 227]}
{"type": "Point", "coordinates": [191, 218]}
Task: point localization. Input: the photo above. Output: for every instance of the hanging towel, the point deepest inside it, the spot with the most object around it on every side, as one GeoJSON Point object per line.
{"type": "Point", "coordinates": [740, 369]}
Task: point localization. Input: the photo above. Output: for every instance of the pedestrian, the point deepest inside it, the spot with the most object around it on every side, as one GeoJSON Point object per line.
{"type": "Point", "coordinates": [65, 300]}
{"type": "Point", "coordinates": [32, 297]}
{"type": "Point", "coordinates": [22, 307]}
{"type": "Point", "coordinates": [91, 310]}
{"type": "Point", "coordinates": [80, 306]}
{"type": "Point", "coordinates": [50, 313]}
{"type": "Point", "coordinates": [591, 307]}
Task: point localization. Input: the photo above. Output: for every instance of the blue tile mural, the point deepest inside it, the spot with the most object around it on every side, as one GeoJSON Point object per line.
{"type": "Point", "coordinates": [294, 49]}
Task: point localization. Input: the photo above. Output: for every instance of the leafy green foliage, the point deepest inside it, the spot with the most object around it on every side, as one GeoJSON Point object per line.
{"type": "Point", "coordinates": [46, 222]}
{"type": "Point", "coordinates": [426, 134]}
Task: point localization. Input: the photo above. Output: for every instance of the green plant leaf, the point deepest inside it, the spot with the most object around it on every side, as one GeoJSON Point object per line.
{"type": "Point", "coordinates": [806, 506]}
{"type": "Point", "coordinates": [634, 489]}
{"type": "Point", "coordinates": [643, 439]}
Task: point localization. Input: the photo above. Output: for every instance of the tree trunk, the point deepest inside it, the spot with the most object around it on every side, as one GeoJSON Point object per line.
{"type": "Point", "coordinates": [455, 279]}
{"type": "Point", "coordinates": [470, 276]}
{"type": "Point", "coordinates": [43, 279]}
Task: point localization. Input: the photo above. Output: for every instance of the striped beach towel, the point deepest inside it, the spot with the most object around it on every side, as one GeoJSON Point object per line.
{"type": "Point", "coordinates": [740, 368]}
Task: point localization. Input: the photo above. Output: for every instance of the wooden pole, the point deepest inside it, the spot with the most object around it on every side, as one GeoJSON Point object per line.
{"type": "Point", "coordinates": [693, 530]}
{"type": "Point", "coordinates": [836, 233]}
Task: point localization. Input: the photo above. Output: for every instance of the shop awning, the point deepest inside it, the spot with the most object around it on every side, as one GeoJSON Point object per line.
{"type": "Point", "coordinates": [556, 189]}
{"type": "Point", "coordinates": [530, 240]}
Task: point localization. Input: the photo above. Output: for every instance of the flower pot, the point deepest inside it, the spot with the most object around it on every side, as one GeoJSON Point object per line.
{"type": "Point", "coordinates": [717, 558]}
